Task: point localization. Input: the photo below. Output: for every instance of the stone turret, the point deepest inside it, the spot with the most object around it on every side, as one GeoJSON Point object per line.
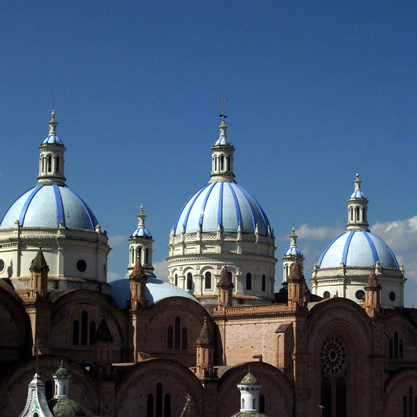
{"type": "Point", "coordinates": [298, 292]}
{"type": "Point", "coordinates": [225, 287]}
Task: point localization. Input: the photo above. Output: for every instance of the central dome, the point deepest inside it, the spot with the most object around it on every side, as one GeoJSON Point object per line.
{"type": "Point", "coordinates": [222, 203]}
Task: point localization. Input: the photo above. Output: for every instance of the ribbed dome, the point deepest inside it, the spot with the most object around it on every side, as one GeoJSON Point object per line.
{"type": "Point", "coordinates": [52, 139]}
{"type": "Point", "coordinates": [156, 290]}
{"type": "Point", "coordinates": [358, 248]}
{"type": "Point", "coordinates": [47, 206]}
{"type": "Point", "coordinates": [141, 232]}
{"type": "Point", "coordinates": [294, 251]}
{"type": "Point", "coordinates": [224, 203]}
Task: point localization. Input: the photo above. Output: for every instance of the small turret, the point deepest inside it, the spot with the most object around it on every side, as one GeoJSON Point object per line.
{"type": "Point", "coordinates": [205, 352]}
{"type": "Point", "coordinates": [222, 155]}
{"type": "Point", "coordinates": [358, 209]}
{"type": "Point", "coordinates": [51, 160]}
{"type": "Point", "coordinates": [38, 276]}
{"type": "Point", "coordinates": [372, 303]}
{"type": "Point", "coordinates": [225, 288]}
{"type": "Point", "coordinates": [138, 280]}
{"type": "Point", "coordinates": [298, 292]}
{"type": "Point", "coordinates": [141, 244]}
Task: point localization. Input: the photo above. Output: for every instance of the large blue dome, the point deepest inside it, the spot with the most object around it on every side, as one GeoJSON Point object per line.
{"type": "Point", "coordinates": [358, 248]}
{"type": "Point", "coordinates": [47, 206]}
{"type": "Point", "coordinates": [224, 203]}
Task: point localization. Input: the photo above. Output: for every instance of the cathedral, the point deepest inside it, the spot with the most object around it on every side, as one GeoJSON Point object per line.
{"type": "Point", "coordinates": [210, 338]}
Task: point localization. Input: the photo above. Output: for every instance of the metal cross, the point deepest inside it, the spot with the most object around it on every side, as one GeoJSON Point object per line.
{"type": "Point", "coordinates": [223, 100]}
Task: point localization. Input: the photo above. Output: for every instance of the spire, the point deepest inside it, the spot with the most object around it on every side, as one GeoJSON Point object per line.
{"type": "Point", "coordinates": [293, 239]}
{"type": "Point", "coordinates": [205, 337]}
{"type": "Point", "coordinates": [298, 292]}
{"type": "Point", "coordinates": [222, 154]}
{"type": "Point", "coordinates": [138, 280]}
{"type": "Point", "coordinates": [225, 289]}
{"type": "Point", "coordinates": [38, 262]}
{"type": "Point", "coordinates": [141, 218]}
{"type": "Point", "coordinates": [52, 124]}
{"type": "Point", "coordinates": [51, 161]}
{"type": "Point", "coordinates": [357, 208]}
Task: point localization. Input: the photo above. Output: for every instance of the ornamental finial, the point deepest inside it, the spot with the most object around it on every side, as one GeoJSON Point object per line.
{"type": "Point", "coordinates": [52, 124]}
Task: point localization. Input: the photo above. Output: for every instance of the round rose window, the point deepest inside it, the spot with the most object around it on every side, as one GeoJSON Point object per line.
{"type": "Point", "coordinates": [333, 355]}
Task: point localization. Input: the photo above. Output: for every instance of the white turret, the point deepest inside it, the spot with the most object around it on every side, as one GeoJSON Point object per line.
{"type": "Point", "coordinates": [61, 378]}
{"type": "Point", "coordinates": [140, 246]}
{"type": "Point", "coordinates": [249, 393]}
{"type": "Point", "coordinates": [358, 209]}
{"type": "Point", "coordinates": [289, 258]}
{"type": "Point", "coordinates": [51, 160]}
{"type": "Point", "coordinates": [222, 158]}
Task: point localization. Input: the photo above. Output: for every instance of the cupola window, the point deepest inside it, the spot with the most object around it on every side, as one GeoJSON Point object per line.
{"type": "Point", "coordinates": [249, 281]}
{"type": "Point", "coordinates": [189, 281]}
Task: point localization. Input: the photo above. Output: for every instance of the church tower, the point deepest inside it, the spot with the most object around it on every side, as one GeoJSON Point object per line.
{"type": "Point", "coordinates": [288, 259]}
{"type": "Point", "coordinates": [140, 245]}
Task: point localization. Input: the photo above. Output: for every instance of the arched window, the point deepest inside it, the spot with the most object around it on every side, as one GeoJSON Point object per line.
{"type": "Point", "coordinates": [177, 333]}
{"type": "Point", "coordinates": [176, 279]}
{"type": "Point", "coordinates": [158, 408]}
{"type": "Point", "coordinates": [160, 405]}
{"type": "Point", "coordinates": [146, 255]}
{"type": "Point", "coordinates": [170, 338]}
{"type": "Point", "coordinates": [189, 281]}
{"type": "Point", "coordinates": [222, 163]}
{"type": "Point", "coordinates": [92, 332]}
{"type": "Point", "coordinates": [75, 332]}
{"type": "Point", "coordinates": [395, 344]}
{"type": "Point", "coordinates": [249, 281]}
{"type": "Point", "coordinates": [391, 348]}
{"type": "Point", "coordinates": [84, 327]}
{"type": "Point", "coordinates": [402, 350]}
{"type": "Point", "coordinates": [132, 255]}
{"type": "Point", "coordinates": [357, 213]}
{"type": "Point", "coordinates": [243, 403]}
{"type": "Point", "coordinates": [49, 163]}
{"type": "Point", "coordinates": [184, 338]}
{"type": "Point", "coordinates": [326, 397]}
{"type": "Point", "coordinates": [207, 281]}
{"type": "Point", "coordinates": [263, 283]}
{"type": "Point", "coordinates": [57, 164]}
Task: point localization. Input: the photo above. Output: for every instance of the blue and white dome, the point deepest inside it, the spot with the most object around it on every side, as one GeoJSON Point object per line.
{"type": "Point", "coordinates": [156, 290]}
{"type": "Point", "coordinates": [47, 206]}
{"type": "Point", "coordinates": [222, 203]}
{"type": "Point", "coordinates": [356, 249]}
{"type": "Point", "coordinates": [293, 252]}
{"type": "Point", "coordinates": [141, 232]}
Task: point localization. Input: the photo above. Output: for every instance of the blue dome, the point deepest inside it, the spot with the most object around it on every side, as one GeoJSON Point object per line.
{"type": "Point", "coordinates": [156, 290]}
{"type": "Point", "coordinates": [52, 139]}
{"type": "Point", "coordinates": [358, 194]}
{"type": "Point", "coordinates": [294, 251]}
{"type": "Point", "coordinates": [47, 206]}
{"type": "Point", "coordinates": [358, 248]}
{"type": "Point", "coordinates": [224, 203]}
{"type": "Point", "coordinates": [222, 141]}
{"type": "Point", "coordinates": [141, 232]}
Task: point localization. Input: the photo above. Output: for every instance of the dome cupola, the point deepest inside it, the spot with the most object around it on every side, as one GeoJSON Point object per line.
{"type": "Point", "coordinates": [290, 256]}
{"type": "Point", "coordinates": [344, 267]}
{"type": "Point", "coordinates": [223, 224]}
{"type": "Point", "coordinates": [50, 213]}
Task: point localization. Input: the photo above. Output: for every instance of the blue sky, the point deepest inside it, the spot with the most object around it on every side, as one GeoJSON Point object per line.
{"type": "Point", "coordinates": [316, 90]}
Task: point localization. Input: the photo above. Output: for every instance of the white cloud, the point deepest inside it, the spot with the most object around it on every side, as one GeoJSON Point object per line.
{"type": "Point", "coordinates": [112, 276]}
{"type": "Point", "coordinates": [305, 232]}
{"type": "Point", "coordinates": [161, 270]}
{"type": "Point", "coordinates": [117, 240]}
